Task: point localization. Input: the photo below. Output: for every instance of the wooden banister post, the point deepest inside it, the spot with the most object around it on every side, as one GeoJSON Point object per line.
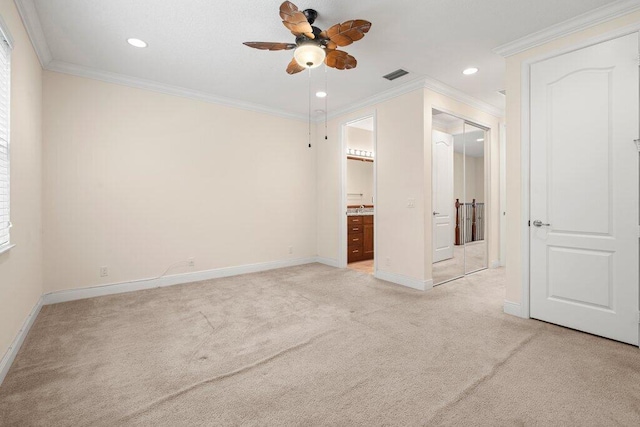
{"type": "Point", "coordinates": [457, 222]}
{"type": "Point", "coordinates": [474, 235]}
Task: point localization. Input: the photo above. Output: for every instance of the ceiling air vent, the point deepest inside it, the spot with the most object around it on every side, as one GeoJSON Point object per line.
{"type": "Point", "coordinates": [502, 92]}
{"type": "Point", "coordinates": [396, 74]}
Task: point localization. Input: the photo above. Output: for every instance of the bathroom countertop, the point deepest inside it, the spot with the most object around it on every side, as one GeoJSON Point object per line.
{"type": "Point", "coordinates": [359, 213]}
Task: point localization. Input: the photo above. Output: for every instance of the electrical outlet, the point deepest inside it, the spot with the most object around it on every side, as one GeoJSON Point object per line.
{"type": "Point", "coordinates": [411, 203]}
{"type": "Point", "coordinates": [191, 262]}
{"type": "Point", "coordinates": [290, 249]}
{"type": "Point", "coordinates": [104, 271]}
{"type": "Point", "coordinates": [387, 261]}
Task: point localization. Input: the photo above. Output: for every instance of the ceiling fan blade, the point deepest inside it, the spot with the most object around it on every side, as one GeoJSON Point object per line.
{"type": "Point", "coordinates": [270, 45]}
{"type": "Point", "coordinates": [294, 67]}
{"type": "Point", "coordinates": [340, 60]}
{"type": "Point", "coordinates": [348, 32]}
{"type": "Point", "coordinates": [295, 20]}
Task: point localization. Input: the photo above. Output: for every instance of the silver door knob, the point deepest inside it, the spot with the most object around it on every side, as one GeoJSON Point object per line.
{"type": "Point", "coordinates": [436, 213]}
{"type": "Point", "coordinates": [538, 223]}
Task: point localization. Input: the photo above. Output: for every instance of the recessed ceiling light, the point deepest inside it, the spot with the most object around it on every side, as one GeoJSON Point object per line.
{"type": "Point", "coordinates": [137, 42]}
{"type": "Point", "coordinates": [470, 71]}
{"type": "Point", "coordinates": [321, 94]}
{"type": "Point", "coordinates": [480, 139]}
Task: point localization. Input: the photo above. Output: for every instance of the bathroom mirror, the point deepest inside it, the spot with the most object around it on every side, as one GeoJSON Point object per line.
{"type": "Point", "coordinates": [359, 181]}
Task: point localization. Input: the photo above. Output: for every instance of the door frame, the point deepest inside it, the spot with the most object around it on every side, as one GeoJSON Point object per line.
{"type": "Point", "coordinates": [342, 220]}
{"type": "Point", "coordinates": [525, 148]}
{"type": "Point", "coordinates": [503, 195]}
{"type": "Point", "coordinates": [488, 195]}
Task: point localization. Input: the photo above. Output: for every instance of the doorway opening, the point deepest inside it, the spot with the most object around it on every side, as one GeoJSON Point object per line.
{"type": "Point", "coordinates": [359, 186]}
{"type": "Point", "coordinates": [459, 197]}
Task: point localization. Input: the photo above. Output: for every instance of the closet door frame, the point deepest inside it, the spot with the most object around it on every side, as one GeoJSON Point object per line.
{"type": "Point", "coordinates": [525, 147]}
{"type": "Point", "coordinates": [488, 194]}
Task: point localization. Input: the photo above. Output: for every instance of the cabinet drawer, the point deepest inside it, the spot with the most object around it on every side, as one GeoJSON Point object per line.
{"type": "Point", "coordinates": [355, 220]}
{"type": "Point", "coordinates": [355, 239]}
{"type": "Point", "coordinates": [367, 219]}
{"type": "Point", "coordinates": [354, 254]}
{"type": "Point", "coordinates": [355, 229]}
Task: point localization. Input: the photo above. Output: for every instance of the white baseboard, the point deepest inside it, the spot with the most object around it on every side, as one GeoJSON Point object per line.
{"type": "Point", "coordinates": [399, 279]}
{"type": "Point", "coordinates": [512, 308]}
{"type": "Point", "coordinates": [177, 279]}
{"type": "Point", "coordinates": [13, 349]}
{"type": "Point", "coordinates": [496, 264]}
{"type": "Point", "coordinates": [137, 285]}
{"type": "Point", "coordinates": [328, 261]}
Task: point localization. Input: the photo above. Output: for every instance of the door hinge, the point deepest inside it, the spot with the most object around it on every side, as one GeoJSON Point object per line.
{"type": "Point", "coordinates": [529, 223]}
{"type": "Point", "coordinates": [637, 141]}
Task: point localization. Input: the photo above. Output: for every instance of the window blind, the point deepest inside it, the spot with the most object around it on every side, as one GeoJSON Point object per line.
{"type": "Point", "coordinates": [5, 74]}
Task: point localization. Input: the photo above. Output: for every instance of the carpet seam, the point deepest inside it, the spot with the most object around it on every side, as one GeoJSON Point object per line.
{"type": "Point", "coordinates": [223, 376]}
{"type": "Point", "coordinates": [466, 392]}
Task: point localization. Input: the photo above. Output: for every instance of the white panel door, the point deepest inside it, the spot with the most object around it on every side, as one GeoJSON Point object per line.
{"type": "Point", "coordinates": [443, 222]}
{"type": "Point", "coordinates": [584, 190]}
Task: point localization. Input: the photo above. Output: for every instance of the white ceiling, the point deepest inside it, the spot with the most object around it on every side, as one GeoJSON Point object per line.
{"type": "Point", "coordinates": [197, 44]}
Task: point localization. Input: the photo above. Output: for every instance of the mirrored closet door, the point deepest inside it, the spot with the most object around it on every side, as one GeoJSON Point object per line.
{"type": "Point", "coordinates": [475, 244]}
{"type": "Point", "coordinates": [459, 183]}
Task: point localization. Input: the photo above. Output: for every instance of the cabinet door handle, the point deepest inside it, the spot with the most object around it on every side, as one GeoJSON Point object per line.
{"type": "Point", "coordinates": [355, 240]}
{"type": "Point", "coordinates": [355, 252]}
{"type": "Point", "coordinates": [355, 220]}
{"type": "Point", "coordinates": [356, 229]}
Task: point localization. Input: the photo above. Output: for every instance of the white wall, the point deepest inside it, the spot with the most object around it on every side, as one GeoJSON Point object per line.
{"type": "Point", "coordinates": [479, 179]}
{"type": "Point", "coordinates": [137, 181]}
{"type": "Point", "coordinates": [403, 162]}
{"type": "Point", "coordinates": [474, 178]}
{"type": "Point", "coordinates": [21, 267]}
{"type": "Point", "coordinates": [400, 143]}
{"type": "Point", "coordinates": [458, 176]}
{"type": "Point", "coordinates": [514, 177]}
{"type": "Point", "coordinates": [359, 139]}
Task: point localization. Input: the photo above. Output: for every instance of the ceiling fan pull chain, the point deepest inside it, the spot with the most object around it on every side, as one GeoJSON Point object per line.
{"type": "Point", "coordinates": [309, 93]}
{"type": "Point", "coordinates": [326, 102]}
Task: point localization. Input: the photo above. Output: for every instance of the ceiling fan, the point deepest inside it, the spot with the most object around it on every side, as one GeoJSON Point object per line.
{"type": "Point", "coordinates": [312, 45]}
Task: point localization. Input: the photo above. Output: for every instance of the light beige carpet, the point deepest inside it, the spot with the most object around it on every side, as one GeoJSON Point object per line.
{"type": "Point", "coordinates": [314, 345]}
{"type": "Point", "coordinates": [466, 259]}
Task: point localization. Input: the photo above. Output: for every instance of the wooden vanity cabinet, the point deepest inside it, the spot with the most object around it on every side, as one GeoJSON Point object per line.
{"type": "Point", "coordinates": [368, 237]}
{"type": "Point", "coordinates": [359, 238]}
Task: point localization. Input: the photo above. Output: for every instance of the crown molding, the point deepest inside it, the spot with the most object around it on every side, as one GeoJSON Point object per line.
{"type": "Point", "coordinates": [570, 26]}
{"type": "Point", "coordinates": [377, 98]}
{"type": "Point", "coordinates": [420, 83]}
{"type": "Point", "coordinates": [135, 82]}
{"type": "Point", "coordinates": [31, 21]}
{"type": "Point", "coordinates": [458, 95]}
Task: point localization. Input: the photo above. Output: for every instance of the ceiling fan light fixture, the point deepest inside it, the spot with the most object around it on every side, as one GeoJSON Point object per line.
{"type": "Point", "coordinates": [309, 55]}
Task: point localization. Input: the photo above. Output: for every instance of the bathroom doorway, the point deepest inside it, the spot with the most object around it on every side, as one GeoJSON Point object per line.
{"type": "Point", "coordinates": [359, 183]}
{"type": "Point", "coordinates": [459, 202]}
